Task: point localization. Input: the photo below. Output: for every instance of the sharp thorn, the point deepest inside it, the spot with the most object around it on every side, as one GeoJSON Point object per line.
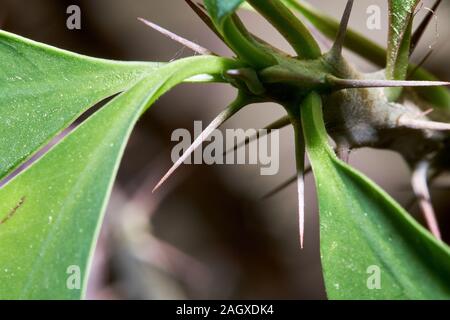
{"type": "Point", "coordinates": [419, 182]}
{"type": "Point", "coordinates": [219, 120]}
{"type": "Point", "coordinates": [422, 124]}
{"type": "Point", "coordinates": [300, 164]}
{"type": "Point", "coordinates": [336, 50]}
{"type": "Point", "coordinates": [339, 84]}
{"type": "Point", "coordinates": [301, 205]}
{"type": "Point", "coordinates": [426, 112]}
{"type": "Point", "coordinates": [187, 43]}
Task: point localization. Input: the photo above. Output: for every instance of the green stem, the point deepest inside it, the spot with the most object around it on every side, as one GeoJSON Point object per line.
{"type": "Point", "coordinates": [397, 67]}
{"type": "Point", "coordinates": [289, 26]}
{"type": "Point", "coordinates": [244, 45]}
{"type": "Point", "coordinates": [438, 96]}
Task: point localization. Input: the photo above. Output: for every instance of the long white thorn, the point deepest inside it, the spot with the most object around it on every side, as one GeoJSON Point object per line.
{"type": "Point", "coordinates": [423, 124]}
{"type": "Point", "coordinates": [301, 205]}
{"type": "Point", "coordinates": [300, 163]}
{"type": "Point", "coordinates": [338, 83]}
{"type": "Point", "coordinates": [420, 187]}
{"type": "Point", "coordinates": [185, 42]}
{"type": "Point", "coordinates": [220, 119]}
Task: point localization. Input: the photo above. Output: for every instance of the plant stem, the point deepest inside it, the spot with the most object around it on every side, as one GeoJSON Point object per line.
{"type": "Point", "coordinates": [244, 46]}
{"type": "Point", "coordinates": [295, 32]}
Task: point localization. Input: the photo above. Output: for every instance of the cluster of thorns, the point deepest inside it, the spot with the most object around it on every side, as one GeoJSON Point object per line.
{"type": "Point", "coordinates": [250, 81]}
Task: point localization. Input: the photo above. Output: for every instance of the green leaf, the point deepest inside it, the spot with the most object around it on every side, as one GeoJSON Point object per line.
{"type": "Point", "coordinates": [44, 89]}
{"type": "Point", "coordinates": [358, 43]}
{"type": "Point", "coordinates": [51, 213]}
{"type": "Point", "coordinates": [219, 10]}
{"type": "Point", "coordinates": [400, 21]}
{"type": "Point", "coordinates": [363, 230]}
{"type": "Point", "coordinates": [401, 13]}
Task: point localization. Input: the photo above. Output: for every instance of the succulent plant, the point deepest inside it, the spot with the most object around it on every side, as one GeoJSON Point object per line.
{"type": "Point", "coordinates": [402, 108]}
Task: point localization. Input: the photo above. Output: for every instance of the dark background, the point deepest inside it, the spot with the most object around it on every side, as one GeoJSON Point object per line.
{"type": "Point", "coordinates": [207, 233]}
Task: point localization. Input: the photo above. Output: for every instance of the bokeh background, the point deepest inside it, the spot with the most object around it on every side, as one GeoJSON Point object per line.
{"type": "Point", "coordinates": [207, 233]}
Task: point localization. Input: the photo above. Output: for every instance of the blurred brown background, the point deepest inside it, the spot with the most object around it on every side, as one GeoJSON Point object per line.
{"type": "Point", "coordinates": [207, 233]}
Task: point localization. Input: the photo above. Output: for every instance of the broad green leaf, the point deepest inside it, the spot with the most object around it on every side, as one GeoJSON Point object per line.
{"type": "Point", "coordinates": [363, 231]}
{"type": "Point", "coordinates": [51, 213]}
{"type": "Point", "coordinates": [358, 43]}
{"type": "Point", "coordinates": [44, 89]}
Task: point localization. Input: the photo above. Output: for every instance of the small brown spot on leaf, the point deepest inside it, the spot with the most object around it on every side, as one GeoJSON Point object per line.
{"type": "Point", "coordinates": [13, 210]}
